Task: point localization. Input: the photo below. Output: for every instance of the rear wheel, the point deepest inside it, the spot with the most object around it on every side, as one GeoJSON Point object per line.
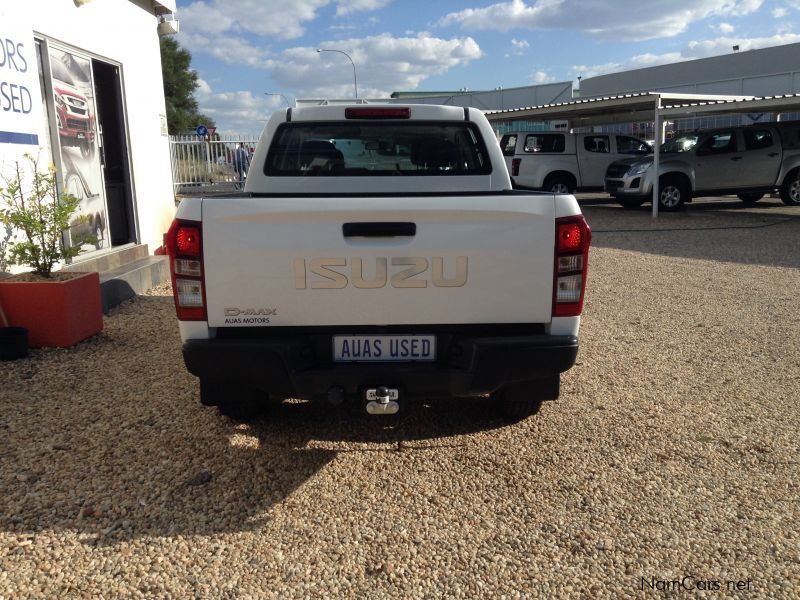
{"type": "Point", "coordinates": [672, 193]}
{"type": "Point", "coordinates": [750, 197]}
{"type": "Point", "coordinates": [559, 184]}
{"type": "Point", "coordinates": [233, 400]}
{"type": "Point", "coordinates": [631, 202]}
{"type": "Point", "coordinates": [790, 190]}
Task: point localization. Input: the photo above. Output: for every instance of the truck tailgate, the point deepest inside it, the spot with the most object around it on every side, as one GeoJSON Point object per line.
{"type": "Point", "coordinates": [446, 259]}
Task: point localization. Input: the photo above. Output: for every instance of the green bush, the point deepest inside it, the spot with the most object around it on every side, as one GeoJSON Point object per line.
{"type": "Point", "coordinates": [34, 207]}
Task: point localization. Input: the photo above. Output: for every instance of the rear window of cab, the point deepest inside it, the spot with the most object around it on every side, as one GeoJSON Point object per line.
{"type": "Point", "coordinates": [346, 149]}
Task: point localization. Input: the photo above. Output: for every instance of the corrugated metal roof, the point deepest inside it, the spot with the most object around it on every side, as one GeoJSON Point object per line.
{"type": "Point", "coordinates": [733, 101]}
{"type": "Point", "coordinates": [627, 108]}
{"type": "Point", "coordinates": [649, 96]}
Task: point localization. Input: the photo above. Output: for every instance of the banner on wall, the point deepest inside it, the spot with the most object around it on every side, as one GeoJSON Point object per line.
{"type": "Point", "coordinates": [21, 117]}
{"type": "Point", "coordinates": [78, 136]}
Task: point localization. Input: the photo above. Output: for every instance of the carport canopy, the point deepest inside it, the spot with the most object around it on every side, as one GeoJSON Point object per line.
{"type": "Point", "coordinates": [647, 106]}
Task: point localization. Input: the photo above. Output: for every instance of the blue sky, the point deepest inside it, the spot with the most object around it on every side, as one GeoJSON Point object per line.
{"type": "Point", "coordinates": [243, 48]}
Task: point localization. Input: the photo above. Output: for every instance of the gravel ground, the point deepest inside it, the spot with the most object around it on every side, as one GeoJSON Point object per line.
{"type": "Point", "coordinates": [672, 452]}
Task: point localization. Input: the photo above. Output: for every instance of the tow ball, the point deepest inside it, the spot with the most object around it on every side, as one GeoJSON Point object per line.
{"type": "Point", "coordinates": [383, 401]}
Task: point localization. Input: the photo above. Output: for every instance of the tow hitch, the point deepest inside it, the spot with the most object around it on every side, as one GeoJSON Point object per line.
{"type": "Point", "coordinates": [383, 401]}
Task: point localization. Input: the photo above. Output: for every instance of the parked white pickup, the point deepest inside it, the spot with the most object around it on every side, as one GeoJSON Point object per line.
{"type": "Point", "coordinates": [378, 253]}
{"type": "Point", "coordinates": [561, 162]}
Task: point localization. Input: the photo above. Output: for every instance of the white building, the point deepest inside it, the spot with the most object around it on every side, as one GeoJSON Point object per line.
{"type": "Point", "coordinates": [81, 87]}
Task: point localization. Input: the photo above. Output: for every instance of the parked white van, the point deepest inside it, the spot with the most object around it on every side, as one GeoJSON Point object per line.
{"type": "Point", "coordinates": [564, 162]}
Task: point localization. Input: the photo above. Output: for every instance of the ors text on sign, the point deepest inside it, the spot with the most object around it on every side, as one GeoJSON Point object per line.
{"type": "Point", "coordinates": [19, 112]}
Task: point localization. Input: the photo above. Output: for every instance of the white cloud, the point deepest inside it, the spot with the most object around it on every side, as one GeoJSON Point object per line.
{"type": "Point", "coordinates": [281, 19]}
{"type": "Point", "coordinates": [203, 88]}
{"type": "Point", "coordinates": [275, 18]}
{"type": "Point", "coordinates": [539, 77]}
{"type": "Point", "coordinates": [742, 7]}
{"type": "Point", "coordinates": [224, 28]}
{"type": "Point", "coordinates": [383, 64]}
{"type": "Point", "coordinates": [343, 27]}
{"type": "Point", "coordinates": [227, 48]}
{"type": "Point", "coordinates": [238, 112]}
{"type": "Point", "coordinates": [518, 48]}
{"type": "Point", "coordinates": [779, 13]}
{"type": "Point", "coordinates": [692, 50]}
{"type": "Point", "coordinates": [346, 7]}
{"type": "Point", "coordinates": [726, 28]}
{"type": "Point", "coordinates": [609, 19]}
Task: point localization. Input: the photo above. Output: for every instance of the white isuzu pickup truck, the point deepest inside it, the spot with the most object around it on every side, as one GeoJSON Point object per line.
{"type": "Point", "coordinates": [377, 254]}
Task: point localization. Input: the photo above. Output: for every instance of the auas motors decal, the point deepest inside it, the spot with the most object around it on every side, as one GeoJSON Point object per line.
{"type": "Point", "coordinates": [249, 316]}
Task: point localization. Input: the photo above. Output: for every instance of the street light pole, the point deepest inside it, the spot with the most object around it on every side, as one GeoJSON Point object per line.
{"type": "Point", "coordinates": [281, 95]}
{"type": "Point", "coordinates": [355, 80]}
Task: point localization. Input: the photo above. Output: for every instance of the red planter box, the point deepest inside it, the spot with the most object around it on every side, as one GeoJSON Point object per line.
{"type": "Point", "coordinates": [56, 313]}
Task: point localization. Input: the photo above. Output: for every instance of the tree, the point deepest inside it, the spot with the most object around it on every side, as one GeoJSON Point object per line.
{"type": "Point", "coordinates": [180, 82]}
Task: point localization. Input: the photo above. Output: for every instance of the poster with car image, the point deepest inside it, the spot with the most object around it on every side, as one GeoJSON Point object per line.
{"type": "Point", "coordinates": [74, 99]}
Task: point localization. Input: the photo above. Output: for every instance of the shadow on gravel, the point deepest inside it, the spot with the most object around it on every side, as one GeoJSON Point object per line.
{"type": "Point", "coordinates": [419, 425]}
{"type": "Point", "coordinates": [767, 233]}
{"type": "Point", "coordinates": [164, 466]}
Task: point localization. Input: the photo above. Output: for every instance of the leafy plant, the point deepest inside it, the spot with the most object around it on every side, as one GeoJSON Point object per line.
{"type": "Point", "coordinates": [4, 239]}
{"type": "Point", "coordinates": [42, 215]}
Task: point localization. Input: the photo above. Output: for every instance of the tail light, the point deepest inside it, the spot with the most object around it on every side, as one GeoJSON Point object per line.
{"type": "Point", "coordinates": [515, 166]}
{"type": "Point", "coordinates": [572, 259]}
{"type": "Point", "coordinates": [185, 249]}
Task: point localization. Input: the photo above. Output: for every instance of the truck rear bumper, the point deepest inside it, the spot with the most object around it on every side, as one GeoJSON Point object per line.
{"type": "Point", "coordinates": [301, 366]}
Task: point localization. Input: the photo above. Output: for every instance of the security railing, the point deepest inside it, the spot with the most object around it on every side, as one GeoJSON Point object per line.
{"type": "Point", "coordinates": [206, 162]}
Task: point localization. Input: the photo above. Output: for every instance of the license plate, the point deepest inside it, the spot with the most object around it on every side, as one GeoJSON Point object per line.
{"type": "Point", "coordinates": [377, 348]}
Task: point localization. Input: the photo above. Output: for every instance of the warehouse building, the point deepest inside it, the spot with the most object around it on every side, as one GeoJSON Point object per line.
{"type": "Point", "coordinates": [765, 72]}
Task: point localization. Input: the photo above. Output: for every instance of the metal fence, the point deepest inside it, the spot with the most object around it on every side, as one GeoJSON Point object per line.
{"type": "Point", "coordinates": [206, 163]}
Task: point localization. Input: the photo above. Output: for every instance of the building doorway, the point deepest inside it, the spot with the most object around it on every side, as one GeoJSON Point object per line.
{"type": "Point", "coordinates": [86, 115]}
{"type": "Point", "coordinates": [114, 153]}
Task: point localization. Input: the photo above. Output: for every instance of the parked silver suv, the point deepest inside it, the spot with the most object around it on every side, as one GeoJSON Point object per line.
{"type": "Point", "coordinates": [747, 161]}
